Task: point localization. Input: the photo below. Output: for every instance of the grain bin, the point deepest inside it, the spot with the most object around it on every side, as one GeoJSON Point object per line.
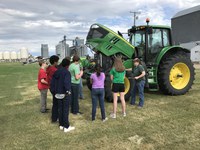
{"type": "Point", "coordinates": [13, 55]}
{"type": "Point", "coordinates": [18, 55]}
{"type": "Point", "coordinates": [1, 56]}
{"type": "Point", "coordinates": [24, 53]}
{"type": "Point", "coordinates": [6, 55]}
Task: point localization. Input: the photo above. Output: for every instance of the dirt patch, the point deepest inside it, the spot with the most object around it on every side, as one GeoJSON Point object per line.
{"type": "Point", "coordinates": [19, 87]}
{"type": "Point", "coordinates": [28, 93]}
{"type": "Point", "coordinates": [197, 65]}
{"type": "Point", "coordinates": [136, 139]}
{"type": "Point", "coordinates": [2, 97]}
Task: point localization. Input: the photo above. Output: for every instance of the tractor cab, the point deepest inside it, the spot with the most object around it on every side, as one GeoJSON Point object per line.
{"type": "Point", "coordinates": [149, 41]}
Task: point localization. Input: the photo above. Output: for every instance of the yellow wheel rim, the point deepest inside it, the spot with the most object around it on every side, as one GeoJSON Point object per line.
{"type": "Point", "coordinates": [179, 76]}
{"type": "Point", "coordinates": [127, 85]}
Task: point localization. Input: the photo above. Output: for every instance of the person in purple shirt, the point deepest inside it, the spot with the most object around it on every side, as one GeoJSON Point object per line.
{"type": "Point", "coordinates": [97, 80]}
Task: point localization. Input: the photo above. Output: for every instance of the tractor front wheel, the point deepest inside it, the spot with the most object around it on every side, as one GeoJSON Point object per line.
{"type": "Point", "coordinates": [108, 88]}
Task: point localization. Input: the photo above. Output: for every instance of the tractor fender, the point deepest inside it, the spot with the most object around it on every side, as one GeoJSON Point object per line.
{"type": "Point", "coordinates": [167, 51]}
{"type": "Point", "coordinates": [170, 50]}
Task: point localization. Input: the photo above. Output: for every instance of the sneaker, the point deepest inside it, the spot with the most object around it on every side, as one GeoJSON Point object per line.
{"type": "Point", "coordinates": [61, 127]}
{"type": "Point", "coordinates": [139, 107]}
{"type": "Point", "coordinates": [124, 114]}
{"type": "Point", "coordinates": [70, 128]}
{"type": "Point", "coordinates": [104, 120]}
{"type": "Point", "coordinates": [43, 111]}
{"type": "Point", "coordinates": [113, 116]}
{"type": "Point", "coordinates": [78, 113]}
{"type": "Point", "coordinates": [81, 98]}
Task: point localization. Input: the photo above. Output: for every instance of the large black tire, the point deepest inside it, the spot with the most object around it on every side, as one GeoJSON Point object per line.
{"type": "Point", "coordinates": [108, 90]}
{"type": "Point", "coordinates": [164, 80]}
{"type": "Point", "coordinates": [89, 85]}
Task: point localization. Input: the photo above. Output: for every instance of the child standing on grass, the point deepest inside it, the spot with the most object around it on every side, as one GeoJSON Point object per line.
{"type": "Point", "coordinates": [50, 72]}
{"type": "Point", "coordinates": [76, 74]}
{"type": "Point", "coordinates": [61, 88]}
{"type": "Point", "coordinates": [97, 80]}
{"type": "Point", "coordinates": [43, 85]}
{"type": "Point", "coordinates": [117, 75]}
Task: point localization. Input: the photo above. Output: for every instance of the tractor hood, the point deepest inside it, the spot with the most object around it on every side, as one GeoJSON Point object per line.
{"type": "Point", "coordinates": [102, 39]}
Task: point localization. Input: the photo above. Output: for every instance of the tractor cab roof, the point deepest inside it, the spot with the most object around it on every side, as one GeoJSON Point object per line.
{"type": "Point", "coordinates": [154, 26]}
{"type": "Point", "coordinates": [148, 28]}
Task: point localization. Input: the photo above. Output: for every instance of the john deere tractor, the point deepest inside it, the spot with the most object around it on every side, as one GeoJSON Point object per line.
{"type": "Point", "coordinates": [169, 68]}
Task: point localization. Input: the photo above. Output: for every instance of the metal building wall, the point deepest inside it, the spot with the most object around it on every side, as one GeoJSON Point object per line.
{"type": "Point", "coordinates": [186, 28]}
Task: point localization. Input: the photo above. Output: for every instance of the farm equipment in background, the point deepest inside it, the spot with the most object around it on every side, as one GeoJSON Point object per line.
{"type": "Point", "coordinates": [169, 68]}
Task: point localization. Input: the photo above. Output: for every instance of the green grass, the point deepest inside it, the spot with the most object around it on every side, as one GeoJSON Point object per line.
{"type": "Point", "coordinates": [166, 122]}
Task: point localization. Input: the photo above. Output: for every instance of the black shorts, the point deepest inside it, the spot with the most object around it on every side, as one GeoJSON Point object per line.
{"type": "Point", "coordinates": [118, 87]}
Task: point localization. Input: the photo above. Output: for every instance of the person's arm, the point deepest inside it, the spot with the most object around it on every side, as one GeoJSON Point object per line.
{"type": "Point", "coordinates": [67, 82]}
{"type": "Point", "coordinates": [111, 74]}
{"type": "Point", "coordinates": [91, 81]}
{"type": "Point", "coordinates": [52, 85]}
{"type": "Point", "coordinates": [78, 73]}
{"type": "Point", "coordinates": [91, 77]}
{"type": "Point", "coordinates": [104, 77]}
{"type": "Point", "coordinates": [43, 77]}
{"type": "Point", "coordinates": [111, 77]}
{"type": "Point", "coordinates": [129, 69]}
{"type": "Point", "coordinates": [44, 82]}
{"type": "Point", "coordinates": [141, 75]}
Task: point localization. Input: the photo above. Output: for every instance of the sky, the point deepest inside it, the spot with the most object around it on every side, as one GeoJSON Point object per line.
{"type": "Point", "coordinates": [29, 24]}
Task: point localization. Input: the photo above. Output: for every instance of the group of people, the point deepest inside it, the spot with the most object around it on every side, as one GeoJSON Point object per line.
{"type": "Point", "coordinates": [64, 81]}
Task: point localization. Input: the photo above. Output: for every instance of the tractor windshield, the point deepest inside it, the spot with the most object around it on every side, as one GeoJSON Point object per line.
{"type": "Point", "coordinates": [138, 40]}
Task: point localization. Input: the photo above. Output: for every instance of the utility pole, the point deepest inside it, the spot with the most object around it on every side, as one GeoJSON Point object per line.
{"type": "Point", "coordinates": [135, 16]}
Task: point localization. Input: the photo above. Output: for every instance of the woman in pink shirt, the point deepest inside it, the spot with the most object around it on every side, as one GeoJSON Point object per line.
{"type": "Point", "coordinates": [97, 80]}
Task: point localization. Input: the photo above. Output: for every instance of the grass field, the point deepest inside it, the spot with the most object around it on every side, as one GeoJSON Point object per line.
{"type": "Point", "coordinates": [166, 122]}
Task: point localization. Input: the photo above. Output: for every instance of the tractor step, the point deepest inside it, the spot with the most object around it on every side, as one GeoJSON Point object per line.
{"type": "Point", "coordinates": [153, 86]}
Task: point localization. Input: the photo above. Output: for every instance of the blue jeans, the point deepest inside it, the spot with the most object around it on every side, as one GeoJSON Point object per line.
{"type": "Point", "coordinates": [138, 85]}
{"type": "Point", "coordinates": [81, 89]}
{"type": "Point", "coordinates": [98, 94]}
{"type": "Point", "coordinates": [54, 116]}
{"type": "Point", "coordinates": [74, 98]}
{"type": "Point", "coordinates": [63, 111]}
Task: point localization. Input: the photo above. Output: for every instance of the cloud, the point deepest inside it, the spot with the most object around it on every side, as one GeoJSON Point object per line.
{"type": "Point", "coordinates": [14, 12]}
{"type": "Point", "coordinates": [31, 23]}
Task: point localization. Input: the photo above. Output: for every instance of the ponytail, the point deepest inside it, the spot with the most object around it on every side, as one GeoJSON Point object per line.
{"type": "Point", "coordinates": [98, 70]}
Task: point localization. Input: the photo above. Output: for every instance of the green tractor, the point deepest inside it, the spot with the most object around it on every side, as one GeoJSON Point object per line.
{"type": "Point", "coordinates": [169, 68]}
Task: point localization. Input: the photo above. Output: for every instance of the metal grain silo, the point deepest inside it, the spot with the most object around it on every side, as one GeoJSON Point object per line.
{"type": "Point", "coordinates": [13, 55]}
{"type": "Point", "coordinates": [24, 53]}
{"type": "Point", "coordinates": [6, 56]}
{"type": "Point", "coordinates": [1, 56]}
{"type": "Point", "coordinates": [18, 55]}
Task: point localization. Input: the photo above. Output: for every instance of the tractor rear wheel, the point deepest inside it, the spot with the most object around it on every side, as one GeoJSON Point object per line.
{"type": "Point", "coordinates": [176, 75]}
